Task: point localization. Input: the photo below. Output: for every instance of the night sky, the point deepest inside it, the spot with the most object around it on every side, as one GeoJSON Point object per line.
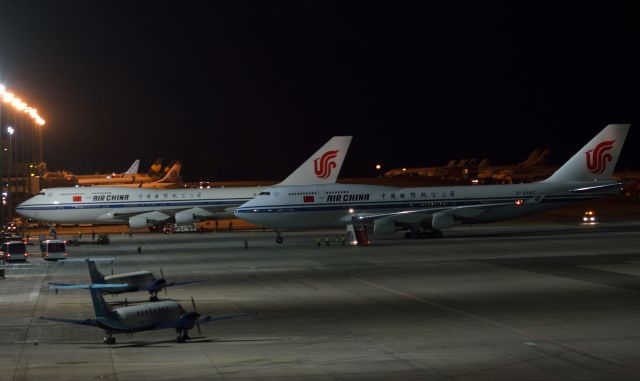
{"type": "Point", "coordinates": [248, 90]}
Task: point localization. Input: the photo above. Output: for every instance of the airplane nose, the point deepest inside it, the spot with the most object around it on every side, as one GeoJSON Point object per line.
{"type": "Point", "coordinates": [22, 209]}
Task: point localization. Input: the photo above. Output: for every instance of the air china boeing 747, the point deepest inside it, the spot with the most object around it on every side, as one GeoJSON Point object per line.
{"type": "Point", "coordinates": [141, 207]}
{"type": "Point", "coordinates": [426, 211]}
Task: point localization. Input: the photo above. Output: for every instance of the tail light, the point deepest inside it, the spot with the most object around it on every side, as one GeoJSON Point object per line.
{"type": "Point", "coordinates": [26, 254]}
{"type": "Point", "coordinates": [65, 254]}
{"type": "Point", "coordinates": [8, 255]}
{"type": "Point", "coordinates": [46, 254]}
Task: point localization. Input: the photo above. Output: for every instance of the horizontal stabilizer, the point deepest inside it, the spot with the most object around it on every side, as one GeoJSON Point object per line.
{"type": "Point", "coordinates": [594, 188]}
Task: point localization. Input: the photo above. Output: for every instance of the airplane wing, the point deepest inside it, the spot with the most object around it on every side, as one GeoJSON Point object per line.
{"type": "Point", "coordinates": [66, 286]}
{"type": "Point", "coordinates": [444, 213]}
{"type": "Point", "coordinates": [209, 319]}
{"type": "Point", "coordinates": [89, 322]}
{"type": "Point", "coordinates": [186, 282]}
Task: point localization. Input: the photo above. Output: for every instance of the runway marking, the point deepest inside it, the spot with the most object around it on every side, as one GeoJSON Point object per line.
{"type": "Point", "coordinates": [572, 348]}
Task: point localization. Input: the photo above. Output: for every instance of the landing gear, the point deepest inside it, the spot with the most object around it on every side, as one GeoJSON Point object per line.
{"type": "Point", "coordinates": [153, 297]}
{"type": "Point", "coordinates": [422, 234]}
{"type": "Point", "coordinates": [109, 339]}
{"type": "Point", "coordinates": [182, 336]}
{"type": "Point", "coordinates": [279, 238]}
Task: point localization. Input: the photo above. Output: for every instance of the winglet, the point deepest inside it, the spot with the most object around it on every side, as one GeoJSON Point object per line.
{"type": "Point", "coordinates": [323, 166]}
{"type": "Point", "coordinates": [596, 160]}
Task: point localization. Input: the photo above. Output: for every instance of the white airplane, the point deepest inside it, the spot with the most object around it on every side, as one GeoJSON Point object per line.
{"type": "Point", "coordinates": [142, 317]}
{"type": "Point", "coordinates": [141, 207]}
{"type": "Point", "coordinates": [134, 281]}
{"type": "Point", "coordinates": [426, 211]}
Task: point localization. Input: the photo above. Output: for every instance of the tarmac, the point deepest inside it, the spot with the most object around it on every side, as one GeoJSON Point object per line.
{"type": "Point", "coordinates": [540, 299]}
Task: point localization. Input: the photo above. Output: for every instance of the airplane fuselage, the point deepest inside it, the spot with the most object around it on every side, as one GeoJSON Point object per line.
{"type": "Point", "coordinates": [134, 281]}
{"type": "Point", "coordinates": [113, 205]}
{"type": "Point", "coordinates": [331, 206]}
{"type": "Point", "coordinates": [140, 318]}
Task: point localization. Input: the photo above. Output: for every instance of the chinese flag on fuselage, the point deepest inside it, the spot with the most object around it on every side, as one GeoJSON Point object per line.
{"type": "Point", "coordinates": [308, 199]}
{"type": "Point", "coordinates": [77, 198]}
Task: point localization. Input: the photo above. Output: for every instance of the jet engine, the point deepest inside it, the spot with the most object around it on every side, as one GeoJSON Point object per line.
{"type": "Point", "coordinates": [138, 222]}
{"type": "Point", "coordinates": [442, 221]}
{"type": "Point", "coordinates": [185, 218]}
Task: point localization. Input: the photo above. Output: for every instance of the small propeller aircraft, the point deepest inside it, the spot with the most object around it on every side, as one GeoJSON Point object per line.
{"type": "Point", "coordinates": [125, 282]}
{"type": "Point", "coordinates": [142, 317]}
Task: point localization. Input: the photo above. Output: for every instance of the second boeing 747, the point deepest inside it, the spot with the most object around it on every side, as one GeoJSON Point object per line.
{"type": "Point", "coordinates": [425, 211]}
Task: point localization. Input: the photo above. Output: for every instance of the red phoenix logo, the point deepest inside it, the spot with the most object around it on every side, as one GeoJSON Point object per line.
{"type": "Point", "coordinates": [598, 157]}
{"type": "Point", "coordinates": [77, 198]}
{"type": "Point", "coordinates": [324, 164]}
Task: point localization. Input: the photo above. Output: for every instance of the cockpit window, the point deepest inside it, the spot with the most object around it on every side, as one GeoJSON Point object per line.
{"type": "Point", "coordinates": [265, 193]}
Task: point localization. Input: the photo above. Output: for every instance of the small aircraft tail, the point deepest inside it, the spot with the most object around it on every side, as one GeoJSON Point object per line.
{"type": "Point", "coordinates": [133, 169]}
{"type": "Point", "coordinates": [96, 276]}
{"type": "Point", "coordinates": [323, 166]}
{"type": "Point", "coordinates": [540, 160]}
{"type": "Point", "coordinates": [172, 174]}
{"type": "Point", "coordinates": [156, 168]}
{"type": "Point", "coordinates": [532, 158]}
{"type": "Point", "coordinates": [99, 305]}
{"type": "Point", "coordinates": [596, 160]}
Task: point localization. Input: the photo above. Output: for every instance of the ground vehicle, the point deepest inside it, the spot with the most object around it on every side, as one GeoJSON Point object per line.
{"type": "Point", "coordinates": [11, 227]}
{"type": "Point", "coordinates": [14, 251]}
{"type": "Point", "coordinates": [53, 249]}
{"type": "Point", "coordinates": [589, 217]}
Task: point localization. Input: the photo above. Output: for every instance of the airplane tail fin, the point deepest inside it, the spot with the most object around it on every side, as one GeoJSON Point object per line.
{"type": "Point", "coordinates": [173, 174]}
{"type": "Point", "coordinates": [529, 160]}
{"type": "Point", "coordinates": [155, 168]}
{"type": "Point", "coordinates": [540, 160]}
{"type": "Point", "coordinates": [596, 160]}
{"type": "Point", "coordinates": [323, 166]}
{"type": "Point", "coordinates": [96, 276]}
{"type": "Point", "coordinates": [99, 305]}
{"type": "Point", "coordinates": [133, 169]}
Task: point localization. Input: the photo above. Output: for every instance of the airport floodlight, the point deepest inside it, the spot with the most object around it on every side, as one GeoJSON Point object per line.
{"type": "Point", "coordinates": [378, 167]}
{"type": "Point", "coordinates": [2, 89]}
{"type": "Point", "coordinates": [7, 97]}
{"type": "Point", "coordinates": [10, 130]}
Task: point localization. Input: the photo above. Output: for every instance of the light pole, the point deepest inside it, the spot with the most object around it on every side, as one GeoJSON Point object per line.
{"type": "Point", "coordinates": [10, 171]}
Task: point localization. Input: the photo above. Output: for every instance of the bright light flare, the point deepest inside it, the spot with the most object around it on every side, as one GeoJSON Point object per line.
{"type": "Point", "coordinates": [21, 106]}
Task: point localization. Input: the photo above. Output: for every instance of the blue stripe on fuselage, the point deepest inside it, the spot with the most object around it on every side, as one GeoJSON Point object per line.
{"type": "Point", "coordinates": [400, 204]}
{"type": "Point", "coordinates": [131, 204]}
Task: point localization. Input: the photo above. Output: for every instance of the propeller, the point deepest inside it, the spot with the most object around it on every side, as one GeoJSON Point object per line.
{"type": "Point", "coordinates": [162, 275]}
{"type": "Point", "coordinates": [193, 303]}
{"type": "Point", "coordinates": [126, 303]}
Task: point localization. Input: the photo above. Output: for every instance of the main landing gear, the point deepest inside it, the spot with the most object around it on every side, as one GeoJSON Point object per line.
{"type": "Point", "coordinates": [183, 335]}
{"type": "Point", "coordinates": [422, 234]}
{"type": "Point", "coordinates": [279, 238]}
{"type": "Point", "coordinates": [108, 339]}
